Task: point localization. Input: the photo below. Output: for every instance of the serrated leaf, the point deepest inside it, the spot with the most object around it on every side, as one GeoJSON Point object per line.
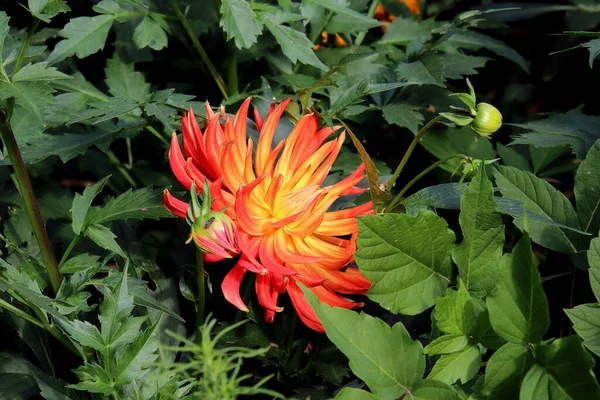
{"type": "Point", "coordinates": [85, 334]}
{"type": "Point", "coordinates": [404, 115]}
{"type": "Point", "coordinates": [82, 203]}
{"type": "Point", "coordinates": [593, 256]}
{"type": "Point", "coordinates": [94, 378]}
{"type": "Point", "coordinates": [137, 358]}
{"type": "Point", "coordinates": [402, 31]}
{"type": "Point", "coordinates": [240, 23]}
{"type": "Point", "coordinates": [47, 9]}
{"type": "Point", "coordinates": [428, 70]}
{"type": "Point", "coordinates": [505, 371]}
{"type": "Point", "coordinates": [345, 20]}
{"type": "Point", "coordinates": [354, 394]}
{"type": "Point", "coordinates": [512, 158]}
{"type": "Point", "coordinates": [478, 256]}
{"type": "Point", "coordinates": [540, 197]}
{"type": "Point", "coordinates": [518, 307]}
{"type": "Point", "coordinates": [351, 96]}
{"type": "Point", "coordinates": [455, 313]}
{"type": "Point", "coordinates": [462, 365]}
{"type": "Point", "coordinates": [4, 29]}
{"type": "Point", "coordinates": [104, 238]}
{"type": "Point", "coordinates": [594, 47]}
{"type": "Point", "coordinates": [587, 190]}
{"type": "Point", "coordinates": [433, 390]}
{"type": "Point", "coordinates": [295, 45]}
{"type": "Point", "coordinates": [388, 374]}
{"type": "Point", "coordinates": [162, 113]}
{"type": "Point", "coordinates": [38, 72]}
{"type": "Point", "coordinates": [458, 65]}
{"type": "Point", "coordinates": [447, 344]}
{"type": "Point", "coordinates": [123, 81]}
{"type": "Point", "coordinates": [407, 259]}
{"type": "Point", "coordinates": [145, 203]}
{"type": "Point", "coordinates": [149, 33]}
{"type": "Point", "coordinates": [573, 128]}
{"type": "Point", "coordinates": [83, 36]}
{"type": "Point", "coordinates": [562, 370]}
{"type": "Point", "coordinates": [586, 322]}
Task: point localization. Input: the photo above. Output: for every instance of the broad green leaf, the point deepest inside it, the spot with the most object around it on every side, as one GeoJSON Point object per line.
{"type": "Point", "coordinates": [518, 307]}
{"type": "Point", "coordinates": [444, 195]}
{"type": "Point", "coordinates": [17, 377]}
{"type": "Point", "coordinates": [512, 158]}
{"type": "Point", "coordinates": [240, 23]}
{"type": "Point", "coordinates": [462, 365]}
{"type": "Point", "coordinates": [388, 374]}
{"type": "Point", "coordinates": [354, 394]}
{"type": "Point", "coordinates": [458, 65]}
{"type": "Point", "coordinates": [586, 322]}
{"type": "Point", "coordinates": [543, 199]}
{"type": "Point", "coordinates": [83, 36]}
{"type": "Point", "coordinates": [433, 390]}
{"type": "Point", "coordinates": [447, 344]}
{"type": "Point", "coordinates": [347, 16]}
{"type": "Point", "coordinates": [149, 33]}
{"type": "Point", "coordinates": [587, 192]}
{"type": "Point", "coordinates": [295, 45]}
{"type": "Point", "coordinates": [562, 370]}
{"type": "Point", "coordinates": [593, 257]}
{"type": "Point", "coordinates": [456, 313]}
{"type": "Point", "coordinates": [403, 115]}
{"type": "Point", "coordinates": [82, 203]}
{"type": "Point", "coordinates": [407, 258]}
{"type": "Point", "coordinates": [80, 85]}
{"type": "Point", "coordinates": [573, 128]}
{"type": "Point", "coordinates": [47, 9]}
{"type": "Point", "coordinates": [123, 81]}
{"type": "Point", "coordinates": [428, 70]}
{"type": "Point", "coordinates": [4, 29]}
{"type": "Point", "coordinates": [38, 72]}
{"type": "Point", "coordinates": [402, 31]}
{"type": "Point", "coordinates": [478, 256]}
{"type": "Point", "coordinates": [104, 238]}
{"type": "Point", "coordinates": [541, 157]}
{"type": "Point", "coordinates": [505, 371]}
{"type": "Point", "coordinates": [145, 203]}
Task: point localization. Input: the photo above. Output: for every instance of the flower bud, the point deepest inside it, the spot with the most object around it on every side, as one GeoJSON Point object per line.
{"type": "Point", "coordinates": [215, 233]}
{"type": "Point", "coordinates": [487, 121]}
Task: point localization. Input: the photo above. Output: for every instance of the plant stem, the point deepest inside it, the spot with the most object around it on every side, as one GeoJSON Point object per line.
{"type": "Point", "coordinates": [361, 36]}
{"type": "Point", "coordinates": [65, 256]}
{"type": "Point", "coordinates": [31, 205]}
{"type": "Point", "coordinates": [409, 151]}
{"type": "Point", "coordinates": [232, 73]}
{"type": "Point", "coordinates": [200, 297]}
{"type": "Point", "coordinates": [6, 305]}
{"type": "Point", "coordinates": [117, 163]}
{"type": "Point", "coordinates": [157, 134]}
{"type": "Point", "coordinates": [396, 199]}
{"type": "Point", "coordinates": [205, 58]}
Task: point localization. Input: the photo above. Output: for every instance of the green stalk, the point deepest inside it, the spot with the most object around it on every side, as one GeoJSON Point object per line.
{"type": "Point", "coordinates": [157, 134]}
{"type": "Point", "coordinates": [117, 163]}
{"type": "Point", "coordinates": [200, 297]}
{"type": "Point", "coordinates": [65, 256]}
{"type": "Point", "coordinates": [9, 307]}
{"type": "Point", "coordinates": [232, 72]}
{"type": "Point", "coordinates": [31, 205]}
{"type": "Point", "coordinates": [409, 151]}
{"type": "Point", "coordinates": [370, 14]}
{"type": "Point", "coordinates": [205, 58]}
{"type": "Point", "coordinates": [396, 199]}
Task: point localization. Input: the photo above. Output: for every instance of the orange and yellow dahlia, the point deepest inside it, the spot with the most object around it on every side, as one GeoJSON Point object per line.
{"type": "Point", "coordinates": [274, 196]}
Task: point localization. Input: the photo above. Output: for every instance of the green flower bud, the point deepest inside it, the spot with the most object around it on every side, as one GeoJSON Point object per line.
{"type": "Point", "coordinates": [487, 121]}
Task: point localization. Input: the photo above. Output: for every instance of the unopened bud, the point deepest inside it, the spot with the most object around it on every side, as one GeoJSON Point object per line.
{"type": "Point", "coordinates": [215, 233]}
{"type": "Point", "coordinates": [487, 121]}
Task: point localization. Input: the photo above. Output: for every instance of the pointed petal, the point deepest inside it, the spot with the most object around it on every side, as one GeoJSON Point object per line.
{"type": "Point", "coordinates": [175, 206]}
{"type": "Point", "coordinates": [231, 287]}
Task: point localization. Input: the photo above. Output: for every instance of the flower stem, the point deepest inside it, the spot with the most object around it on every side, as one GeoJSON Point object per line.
{"type": "Point", "coordinates": [396, 199]}
{"type": "Point", "coordinates": [9, 307]}
{"type": "Point", "coordinates": [31, 206]}
{"type": "Point", "coordinates": [65, 256]}
{"type": "Point", "coordinates": [361, 36]}
{"type": "Point", "coordinates": [205, 58]}
{"type": "Point", "coordinates": [232, 71]}
{"type": "Point", "coordinates": [200, 297]}
{"type": "Point", "coordinates": [410, 149]}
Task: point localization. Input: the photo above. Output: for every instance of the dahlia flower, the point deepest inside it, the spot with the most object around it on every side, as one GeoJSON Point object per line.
{"type": "Point", "coordinates": [274, 196]}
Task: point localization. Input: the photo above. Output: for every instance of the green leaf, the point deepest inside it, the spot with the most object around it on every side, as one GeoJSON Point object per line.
{"type": "Point", "coordinates": [541, 157]}
{"type": "Point", "coordinates": [463, 365]}
{"type": "Point", "coordinates": [433, 390]}
{"type": "Point", "coordinates": [104, 238]}
{"type": "Point", "coordinates": [149, 33]}
{"type": "Point", "coordinates": [17, 377]}
{"type": "Point", "coordinates": [47, 9]}
{"type": "Point", "coordinates": [518, 307]}
{"type": "Point", "coordinates": [95, 379]}
{"type": "Point", "coordinates": [594, 47]}
{"type": "Point", "coordinates": [163, 113]}
{"type": "Point", "coordinates": [351, 96]}
{"type": "Point", "coordinates": [543, 199]}
{"type": "Point", "coordinates": [137, 358]}
{"type": "Point", "coordinates": [402, 31]}
{"type": "Point", "coordinates": [240, 23]}
{"type": "Point", "coordinates": [562, 370]}
{"type": "Point", "coordinates": [586, 322]}
{"type": "Point", "coordinates": [38, 72]}
{"type": "Point", "coordinates": [505, 371]}
{"type": "Point", "coordinates": [145, 203]}
{"type": "Point", "coordinates": [573, 128]}
{"type": "Point", "coordinates": [458, 65]}
{"type": "Point", "coordinates": [82, 203]}
{"type": "Point", "coordinates": [512, 158]}
{"type": "Point", "coordinates": [407, 259]}
{"type": "Point", "coordinates": [123, 81]}
{"type": "Point", "coordinates": [587, 194]}
{"type": "Point", "coordinates": [295, 45]}
{"type": "Point", "coordinates": [4, 29]}
{"type": "Point", "coordinates": [428, 70]}
{"type": "Point", "coordinates": [447, 344]}
{"type": "Point", "coordinates": [83, 36]}
{"type": "Point", "coordinates": [85, 334]}
{"type": "Point", "coordinates": [404, 115]}
{"type": "Point", "coordinates": [478, 256]}
{"type": "Point", "coordinates": [358, 22]}
{"type": "Point", "coordinates": [354, 394]}
{"type": "Point", "coordinates": [455, 313]}
{"type": "Point", "coordinates": [388, 374]}
{"type": "Point", "coordinates": [593, 256]}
